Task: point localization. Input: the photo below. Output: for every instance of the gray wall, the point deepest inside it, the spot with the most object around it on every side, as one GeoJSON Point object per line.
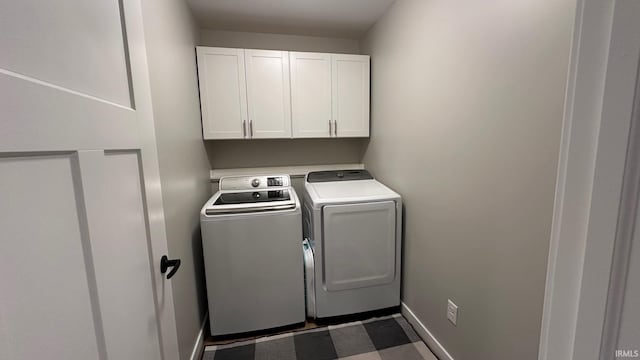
{"type": "Point", "coordinates": [184, 167]}
{"type": "Point", "coordinates": [467, 105]}
{"type": "Point", "coordinates": [224, 154]}
{"type": "Point", "coordinates": [251, 40]}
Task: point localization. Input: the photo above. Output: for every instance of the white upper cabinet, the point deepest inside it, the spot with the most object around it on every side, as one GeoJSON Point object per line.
{"type": "Point", "coordinates": [350, 94]}
{"type": "Point", "coordinates": [311, 95]}
{"type": "Point", "coordinates": [268, 94]}
{"type": "Point", "coordinates": [329, 95]}
{"type": "Point", "coordinates": [223, 92]}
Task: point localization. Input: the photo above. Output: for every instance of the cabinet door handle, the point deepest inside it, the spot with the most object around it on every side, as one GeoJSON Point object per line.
{"type": "Point", "coordinates": [244, 128]}
{"type": "Point", "coordinates": [335, 127]}
{"type": "Point", "coordinates": [251, 128]}
{"type": "Point", "coordinates": [330, 128]}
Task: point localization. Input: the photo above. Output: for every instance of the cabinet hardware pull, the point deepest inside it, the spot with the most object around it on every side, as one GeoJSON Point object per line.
{"type": "Point", "coordinates": [335, 127]}
{"type": "Point", "coordinates": [244, 128]}
{"type": "Point", "coordinates": [330, 128]}
{"type": "Point", "coordinates": [251, 128]}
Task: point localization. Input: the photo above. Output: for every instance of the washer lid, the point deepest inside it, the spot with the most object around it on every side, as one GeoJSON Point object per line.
{"type": "Point", "coordinates": [233, 202]}
{"type": "Point", "coordinates": [349, 191]}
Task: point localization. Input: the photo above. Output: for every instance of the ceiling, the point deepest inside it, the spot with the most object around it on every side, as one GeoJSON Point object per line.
{"type": "Point", "coordinates": [333, 18]}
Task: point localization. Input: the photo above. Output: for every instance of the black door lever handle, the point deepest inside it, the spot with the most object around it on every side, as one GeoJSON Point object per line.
{"type": "Point", "coordinates": [165, 264]}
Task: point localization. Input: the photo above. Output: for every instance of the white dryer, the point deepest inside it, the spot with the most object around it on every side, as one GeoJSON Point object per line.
{"type": "Point", "coordinates": [352, 226]}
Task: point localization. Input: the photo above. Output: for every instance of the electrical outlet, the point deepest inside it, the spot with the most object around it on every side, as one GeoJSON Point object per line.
{"type": "Point", "coordinates": [452, 312]}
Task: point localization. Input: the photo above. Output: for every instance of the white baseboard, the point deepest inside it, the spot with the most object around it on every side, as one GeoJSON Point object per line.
{"type": "Point", "coordinates": [426, 335]}
{"type": "Point", "coordinates": [198, 347]}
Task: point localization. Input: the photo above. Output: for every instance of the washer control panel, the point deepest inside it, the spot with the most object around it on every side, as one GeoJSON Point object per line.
{"type": "Point", "coordinates": [254, 182]}
{"type": "Point", "coordinates": [275, 181]}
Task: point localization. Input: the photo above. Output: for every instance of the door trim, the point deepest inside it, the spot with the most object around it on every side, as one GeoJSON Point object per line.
{"type": "Point", "coordinates": [134, 39]}
{"type": "Point", "coordinates": [626, 230]}
{"type": "Point", "coordinates": [595, 133]}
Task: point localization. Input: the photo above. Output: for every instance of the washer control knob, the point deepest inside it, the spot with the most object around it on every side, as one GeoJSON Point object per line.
{"type": "Point", "coordinates": [255, 182]}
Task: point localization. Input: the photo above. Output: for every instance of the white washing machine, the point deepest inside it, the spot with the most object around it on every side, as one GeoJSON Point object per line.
{"type": "Point", "coordinates": [352, 226]}
{"type": "Point", "coordinates": [251, 235]}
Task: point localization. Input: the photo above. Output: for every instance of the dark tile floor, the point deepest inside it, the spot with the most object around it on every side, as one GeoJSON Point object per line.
{"type": "Point", "coordinates": [384, 338]}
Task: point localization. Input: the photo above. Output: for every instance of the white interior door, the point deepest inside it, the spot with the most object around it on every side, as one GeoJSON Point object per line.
{"type": "Point", "coordinates": [359, 244]}
{"type": "Point", "coordinates": [223, 92]}
{"type": "Point", "coordinates": [268, 93]}
{"type": "Point", "coordinates": [351, 96]}
{"type": "Point", "coordinates": [311, 95]}
{"type": "Point", "coordinates": [79, 252]}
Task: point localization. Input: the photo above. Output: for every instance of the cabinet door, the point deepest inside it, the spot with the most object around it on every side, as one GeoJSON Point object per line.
{"type": "Point", "coordinates": [311, 95]}
{"type": "Point", "coordinates": [350, 95]}
{"type": "Point", "coordinates": [223, 93]}
{"type": "Point", "coordinates": [268, 93]}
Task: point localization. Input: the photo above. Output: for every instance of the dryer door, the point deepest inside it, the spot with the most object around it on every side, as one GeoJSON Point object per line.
{"type": "Point", "coordinates": [359, 245]}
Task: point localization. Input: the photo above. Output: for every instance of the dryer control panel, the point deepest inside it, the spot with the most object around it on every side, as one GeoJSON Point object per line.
{"type": "Point", "coordinates": [254, 182]}
{"type": "Point", "coordinates": [338, 175]}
